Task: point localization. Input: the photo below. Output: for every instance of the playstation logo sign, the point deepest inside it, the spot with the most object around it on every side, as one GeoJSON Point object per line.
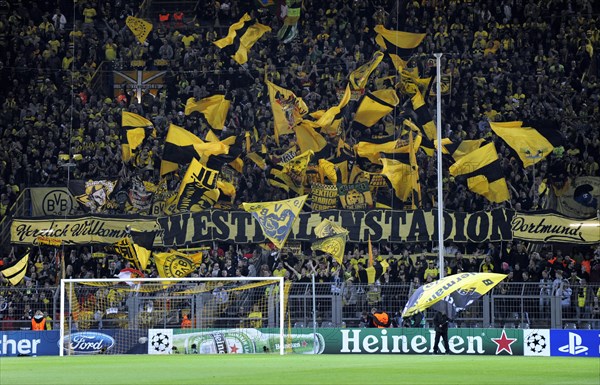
{"type": "Point", "coordinates": [574, 346]}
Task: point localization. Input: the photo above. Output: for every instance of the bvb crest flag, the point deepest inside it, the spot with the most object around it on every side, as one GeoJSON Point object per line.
{"type": "Point", "coordinates": [531, 144]}
{"type": "Point", "coordinates": [276, 218]}
{"type": "Point", "coordinates": [214, 109]}
{"type": "Point", "coordinates": [15, 272]}
{"type": "Point", "coordinates": [335, 245]}
{"type": "Point", "coordinates": [174, 264]}
{"type": "Point", "coordinates": [139, 27]}
{"type": "Point", "coordinates": [241, 37]}
{"type": "Point", "coordinates": [291, 175]}
{"type": "Point", "coordinates": [454, 292]}
{"type": "Point", "coordinates": [331, 239]}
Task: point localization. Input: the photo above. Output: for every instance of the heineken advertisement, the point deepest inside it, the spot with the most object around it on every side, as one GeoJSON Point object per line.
{"type": "Point", "coordinates": [421, 341]}
{"type": "Point", "coordinates": [231, 341]}
{"type": "Point", "coordinates": [380, 225]}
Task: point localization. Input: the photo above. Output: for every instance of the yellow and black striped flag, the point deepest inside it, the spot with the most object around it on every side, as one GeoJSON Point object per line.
{"type": "Point", "coordinates": [531, 141]}
{"type": "Point", "coordinates": [181, 146]}
{"type": "Point", "coordinates": [360, 76]}
{"type": "Point", "coordinates": [331, 119]}
{"type": "Point", "coordinates": [134, 129]}
{"type": "Point", "coordinates": [214, 109]}
{"type": "Point", "coordinates": [484, 173]}
{"type": "Point", "coordinates": [15, 272]}
{"type": "Point", "coordinates": [241, 37]}
{"type": "Point", "coordinates": [373, 106]}
{"type": "Point", "coordinates": [459, 149]}
{"type": "Point", "coordinates": [398, 42]}
{"type": "Point", "coordinates": [136, 248]}
{"type": "Point", "coordinates": [402, 170]}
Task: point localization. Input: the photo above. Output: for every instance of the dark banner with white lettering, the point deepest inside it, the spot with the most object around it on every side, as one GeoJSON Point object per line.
{"type": "Point", "coordinates": [380, 225]}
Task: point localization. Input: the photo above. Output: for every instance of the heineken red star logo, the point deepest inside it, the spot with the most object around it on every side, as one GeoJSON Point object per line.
{"type": "Point", "coordinates": [503, 343]}
{"type": "Point", "coordinates": [234, 349]}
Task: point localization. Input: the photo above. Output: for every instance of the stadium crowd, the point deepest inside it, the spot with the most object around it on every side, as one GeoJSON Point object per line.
{"type": "Point", "coordinates": [510, 60]}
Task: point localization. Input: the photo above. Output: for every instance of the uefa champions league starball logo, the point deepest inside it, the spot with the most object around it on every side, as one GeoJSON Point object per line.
{"type": "Point", "coordinates": [536, 342]}
{"type": "Point", "coordinates": [160, 342]}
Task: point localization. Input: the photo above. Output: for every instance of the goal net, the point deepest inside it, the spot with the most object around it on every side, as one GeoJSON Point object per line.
{"type": "Point", "coordinates": [183, 316]}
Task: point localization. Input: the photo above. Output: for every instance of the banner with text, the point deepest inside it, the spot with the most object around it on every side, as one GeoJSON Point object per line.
{"type": "Point", "coordinates": [381, 225]}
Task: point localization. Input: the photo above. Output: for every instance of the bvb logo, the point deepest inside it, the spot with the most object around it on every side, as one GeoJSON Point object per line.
{"type": "Point", "coordinates": [57, 202]}
{"type": "Point", "coordinates": [355, 198]}
{"type": "Point", "coordinates": [333, 246]}
{"type": "Point", "coordinates": [176, 266]}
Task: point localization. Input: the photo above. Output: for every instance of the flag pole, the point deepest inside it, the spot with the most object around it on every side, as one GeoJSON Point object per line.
{"type": "Point", "coordinates": [440, 193]}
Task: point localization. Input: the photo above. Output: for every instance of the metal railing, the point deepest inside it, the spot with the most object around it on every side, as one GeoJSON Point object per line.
{"type": "Point", "coordinates": [509, 305]}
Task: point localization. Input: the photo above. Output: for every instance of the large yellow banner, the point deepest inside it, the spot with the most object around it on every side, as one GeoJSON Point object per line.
{"type": "Point", "coordinates": [382, 225]}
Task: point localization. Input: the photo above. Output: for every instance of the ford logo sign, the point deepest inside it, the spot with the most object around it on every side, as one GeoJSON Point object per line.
{"type": "Point", "coordinates": [88, 342]}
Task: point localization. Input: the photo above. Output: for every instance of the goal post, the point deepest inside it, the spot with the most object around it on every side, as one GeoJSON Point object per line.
{"type": "Point", "coordinates": [176, 316]}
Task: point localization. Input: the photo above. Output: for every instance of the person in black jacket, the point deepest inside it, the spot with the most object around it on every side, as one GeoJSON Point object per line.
{"type": "Point", "coordinates": [440, 322]}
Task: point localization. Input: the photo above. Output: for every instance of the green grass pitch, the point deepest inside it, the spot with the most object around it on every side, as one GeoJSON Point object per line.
{"type": "Point", "coordinates": [298, 369]}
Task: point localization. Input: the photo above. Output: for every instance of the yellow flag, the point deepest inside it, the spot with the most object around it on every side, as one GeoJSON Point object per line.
{"type": "Point", "coordinates": [214, 108]}
{"type": "Point", "coordinates": [360, 76]}
{"type": "Point", "coordinates": [531, 144]}
{"type": "Point", "coordinates": [288, 109]}
{"type": "Point", "coordinates": [327, 169]}
{"type": "Point", "coordinates": [139, 27]}
{"type": "Point", "coordinates": [290, 175]}
{"type": "Point", "coordinates": [308, 138]}
{"type": "Point", "coordinates": [372, 151]}
{"type": "Point", "coordinates": [424, 119]}
{"type": "Point", "coordinates": [330, 120]}
{"type": "Point", "coordinates": [241, 37]}
{"type": "Point", "coordinates": [403, 172]}
{"type": "Point", "coordinates": [133, 132]}
{"type": "Point", "coordinates": [198, 189]}
{"type": "Point", "coordinates": [373, 106]}
{"type": "Point", "coordinates": [276, 218]}
{"type": "Point", "coordinates": [399, 42]}
{"type": "Point", "coordinates": [173, 264]}
{"type": "Point", "coordinates": [181, 146]}
{"type": "Point", "coordinates": [15, 272]}
{"type": "Point", "coordinates": [484, 173]}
